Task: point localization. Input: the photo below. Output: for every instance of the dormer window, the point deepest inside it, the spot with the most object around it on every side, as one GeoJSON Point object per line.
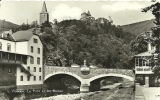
{"type": "Point", "coordinates": [8, 35]}
{"type": "Point", "coordinates": [8, 47]}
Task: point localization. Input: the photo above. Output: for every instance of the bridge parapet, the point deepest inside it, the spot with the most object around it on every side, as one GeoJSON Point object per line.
{"type": "Point", "coordinates": [93, 71]}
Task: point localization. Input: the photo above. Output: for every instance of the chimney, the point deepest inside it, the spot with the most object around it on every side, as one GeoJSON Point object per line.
{"type": "Point", "coordinates": [149, 46]}
{"type": "Point", "coordinates": [149, 43]}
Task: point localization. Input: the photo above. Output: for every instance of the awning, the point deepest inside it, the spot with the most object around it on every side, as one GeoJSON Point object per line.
{"type": "Point", "coordinates": [148, 53]}
{"type": "Point", "coordinates": [24, 68]}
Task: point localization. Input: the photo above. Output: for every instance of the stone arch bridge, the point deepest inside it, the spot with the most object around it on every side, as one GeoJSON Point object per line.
{"type": "Point", "coordinates": [95, 73]}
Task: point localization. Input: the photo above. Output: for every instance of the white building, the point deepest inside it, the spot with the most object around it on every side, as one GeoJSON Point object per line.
{"type": "Point", "coordinates": [143, 69]}
{"type": "Point", "coordinates": [22, 55]}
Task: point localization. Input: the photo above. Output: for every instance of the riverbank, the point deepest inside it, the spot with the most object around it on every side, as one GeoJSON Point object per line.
{"type": "Point", "coordinates": [66, 97]}
{"type": "Point", "coordinates": [114, 94]}
{"type": "Point", "coordinates": [77, 96]}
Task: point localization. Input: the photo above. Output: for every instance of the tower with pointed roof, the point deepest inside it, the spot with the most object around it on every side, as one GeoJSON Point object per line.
{"type": "Point", "coordinates": [89, 14]}
{"type": "Point", "coordinates": [110, 19]}
{"type": "Point", "coordinates": [44, 16]}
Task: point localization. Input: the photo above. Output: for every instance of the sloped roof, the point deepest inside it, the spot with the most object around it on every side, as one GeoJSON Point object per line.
{"type": "Point", "coordinates": [44, 8]}
{"type": "Point", "coordinates": [22, 35]}
{"type": "Point", "coordinates": [148, 53]}
{"type": "Point", "coordinates": [6, 35]}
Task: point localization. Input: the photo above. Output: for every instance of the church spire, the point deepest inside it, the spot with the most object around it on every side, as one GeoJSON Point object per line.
{"type": "Point", "coordinates": [44, 9]}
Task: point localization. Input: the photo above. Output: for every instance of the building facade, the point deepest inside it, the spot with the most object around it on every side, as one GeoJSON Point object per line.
{"type": "Point", "coordinates": [44, 16]}
{"type": "Point", "coordinates": [21, 60]}
{"type": "Point", "coordinates": [143, 68]}
{"type": "Point", "coordinates": [86, 16]}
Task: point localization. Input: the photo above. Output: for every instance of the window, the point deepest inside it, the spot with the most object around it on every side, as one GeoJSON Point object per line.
{"type": "Point", "coordinates": [143, 62]}
{"type": "Point", "coordinates": [147, 63]}
{"type": "Point", "coordinates": [21, 70]}
{"type": "Point", "coordinates": [34, 78]}
{"type": "Point", "coordinates": [8, 47]}
{"type": "Point", "coordinates": [40, 78]}
{"type": "Point", "coordinates": [31, 60]}
{"type": "Point", "coordinates": [28, 78]}
{"type": "Point", "coordinates": [9, 70]}
{"type": "Point", "coordinates": [38, 60]}
{"type": "Point", "coordinates": [21, 78]}
{"type": "Point", "coordinates": [0, 46]}
{"type": "Point", "coordinates": [140, 62]}
{"type": "Point", "coordinates": [39, 69]}
{"type": "Point", "coordinates": [28, 68]}
{"type": "Point", "coordinates": [35, 40]}
{"type": "Point", "coordinates": [2, 68]}
{"type": "Point", "coordinates": [137, 62]}
{"type": "Point", "coordinates": [31, 48]}
{"type": "Point", "coordinates": [34, 69]}
{"type": "Point", "coordinates": [38, 51]}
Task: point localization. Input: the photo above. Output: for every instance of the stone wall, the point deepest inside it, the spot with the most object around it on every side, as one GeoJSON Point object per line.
{"type": "Point", "coordinates": [93, 71]}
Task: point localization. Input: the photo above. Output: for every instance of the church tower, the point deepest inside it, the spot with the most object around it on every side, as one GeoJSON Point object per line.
{"type": "Point", "coordinates": [44, 16]}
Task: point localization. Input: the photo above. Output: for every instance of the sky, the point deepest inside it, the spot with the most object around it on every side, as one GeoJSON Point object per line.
{"type": "Point", "coordinates": [122, 12]}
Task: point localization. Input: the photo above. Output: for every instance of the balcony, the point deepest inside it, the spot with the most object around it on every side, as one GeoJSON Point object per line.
{"type": "Point", "coordinates": [10, 61]}
{"type": "Point", "coordinates": [143, 70]}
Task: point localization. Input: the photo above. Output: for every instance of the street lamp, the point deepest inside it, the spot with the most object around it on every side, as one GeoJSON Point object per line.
{"type": "Point", "coordinates": [85, 70]}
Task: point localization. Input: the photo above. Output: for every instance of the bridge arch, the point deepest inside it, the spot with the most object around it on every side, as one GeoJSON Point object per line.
{"type": "Point", "coordinates": [117, 75]}
{"type": "Point", "coordinates": [61, 72]}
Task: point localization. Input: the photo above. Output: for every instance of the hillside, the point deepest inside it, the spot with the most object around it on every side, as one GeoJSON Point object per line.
{"type": "Point", "coordinates": [102, 45]}
{"type": "Point", "coordinates": [7, 25]}
{"type": "Point", "coordinates": [139, 27]}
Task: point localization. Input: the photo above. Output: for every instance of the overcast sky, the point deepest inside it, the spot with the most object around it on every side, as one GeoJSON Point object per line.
{"type": "Point", "coordinates": [121, 12]}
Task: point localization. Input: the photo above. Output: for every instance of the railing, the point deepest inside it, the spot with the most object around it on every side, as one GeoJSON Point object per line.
{"type": "Point", "coordinates": [10, 61]}
{"type": "Point", "coordinates": [143, 70]}
{"type": "Point", "coordinates": [4, 60]}
{"type": "Point", "coordinates": [18, 62]}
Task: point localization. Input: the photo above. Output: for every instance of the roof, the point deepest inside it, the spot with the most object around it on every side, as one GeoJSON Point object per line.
{"type": "Point", "coordinates": [148, 53]}
{"type": "Point", "coordinates": [6, 35]}
{"type": "Point", "coordinates": [44, 9]}
{"type": "Point", "coordinates": [22, 35]}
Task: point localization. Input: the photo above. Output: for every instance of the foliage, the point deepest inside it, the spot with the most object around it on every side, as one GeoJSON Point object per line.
{"type": "Point", "coordinates": [45, 24]}
{"type": "Point", "coordinates": [138, 27]}
{"type": "Point", "coordinates": [6, 25]}
{"type": "Point", "coordinates": [138, 45]}
{"type": "Point", "coordinates": [24, 27]}
{"type": "Point", "coordinates": [103, 45]}
{"type": "Point", "coordinates": [155, 39]}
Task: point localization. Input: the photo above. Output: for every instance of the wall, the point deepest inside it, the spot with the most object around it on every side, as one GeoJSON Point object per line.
{"type": "Point", "coordinates": [4, 45]}
{"type": "Point", "coordinates": [43, 17]}
{"type": "Point", "coordinates": [35, 55]}
{"type": "Point", "coordinates": [7, 78]}
{"type": "Point", "coordinates": [22, 47]}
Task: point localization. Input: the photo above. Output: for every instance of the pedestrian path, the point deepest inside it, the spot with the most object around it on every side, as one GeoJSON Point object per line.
{"type": "Point", "coordinates": [139, 95]}
{"type": "Point", "coordinates": [147, 93]}
{"type": "Point", "coordinates": [151, 93]}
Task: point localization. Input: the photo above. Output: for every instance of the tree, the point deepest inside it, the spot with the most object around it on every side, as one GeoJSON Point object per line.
{"type": "Point", "coordinates": [24, 27]}
{"type": "Point", "coordinates": [45, 24]}
{"type": "Point", "coordinates": [155, 8]}
{"type": "Point", "coordinates": [138, 45]}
